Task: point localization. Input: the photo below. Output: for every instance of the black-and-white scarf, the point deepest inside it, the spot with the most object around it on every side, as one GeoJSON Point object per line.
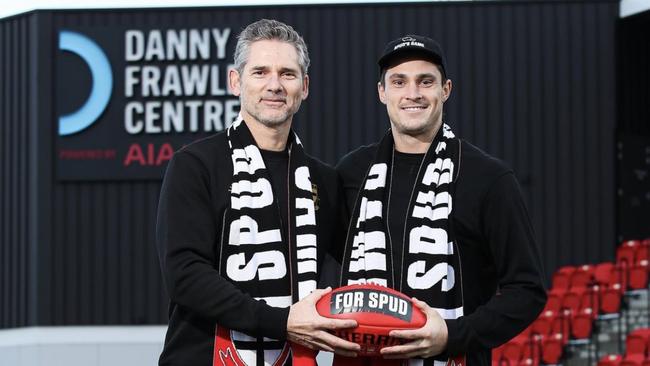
{"type": "Point", "coordinates": [430, 266]}
{"type": "Point", "coordinates": [278, 268]}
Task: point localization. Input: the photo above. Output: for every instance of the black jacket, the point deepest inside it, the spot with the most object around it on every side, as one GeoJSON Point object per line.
{"type": "Point", "coordinates": [189, 230]}
{"type": "Point", "coordinates": [502, 278]}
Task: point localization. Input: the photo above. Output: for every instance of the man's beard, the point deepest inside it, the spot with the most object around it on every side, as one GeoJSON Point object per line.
{"type": "Point", "coordinates": [271, 121]}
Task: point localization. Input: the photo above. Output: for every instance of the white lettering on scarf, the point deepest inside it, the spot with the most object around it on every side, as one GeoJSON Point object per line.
{"type": "Point", "coordinates": [247, 160]}
{"type": "Point", "coordinates": [268, 265]}
{"type": "Point", "coordinates": [245, 231]}
{"type": "Point", "coordinates": [306, 244]}
{"type": "Point", "coordinates": [420, 279]}
{"type": "Point", "coordinates": [440, 172]}
{"type": "Point", "coordinates": [427, 240]}
{"type": "Point", "coordinates": [376, 177]}
{"type": "Point", "coordinates": [362, 257]}
{"type": "Point", "coordinates": [371, 208]}
{"type": "Point", "coordinates": [265, 265]}
{"type": "Point", "coordinates": [432, 206]}
{"type": "Point", "coordinates": [255, 194]}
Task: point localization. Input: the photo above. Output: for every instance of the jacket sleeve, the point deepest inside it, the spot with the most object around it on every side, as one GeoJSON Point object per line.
{"type": "Point", "coordinates": [188, 232]}
{"type": "Point", "coordinates": [521, 294]}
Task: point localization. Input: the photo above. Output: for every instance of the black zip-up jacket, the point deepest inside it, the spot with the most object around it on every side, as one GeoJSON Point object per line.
{"type": "Point", "coordinates": [193, 198]}
{"type": "Point", "coordinates": [502, 276]}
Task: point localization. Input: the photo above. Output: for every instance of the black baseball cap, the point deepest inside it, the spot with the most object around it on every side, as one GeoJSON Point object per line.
{"type": "Point", "coordinates": [413, 44]}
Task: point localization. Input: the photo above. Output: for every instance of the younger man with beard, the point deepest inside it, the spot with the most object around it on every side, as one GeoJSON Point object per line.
{"type": "Point", "coordinates": [245, 219]}
{"type": "Point", "coordinates": [438, 219]}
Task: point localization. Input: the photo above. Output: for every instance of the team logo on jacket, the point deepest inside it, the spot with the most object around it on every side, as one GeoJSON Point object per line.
{"type": "Point", "coordinates": [233, 348]}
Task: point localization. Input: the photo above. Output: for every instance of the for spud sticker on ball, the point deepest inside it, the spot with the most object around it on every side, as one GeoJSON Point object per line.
{"type": "Point", "coordinates": [377, 310]}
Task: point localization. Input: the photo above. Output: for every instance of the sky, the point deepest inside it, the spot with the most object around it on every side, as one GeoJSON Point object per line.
{"type": "Point", "coordinates": [11, 7]}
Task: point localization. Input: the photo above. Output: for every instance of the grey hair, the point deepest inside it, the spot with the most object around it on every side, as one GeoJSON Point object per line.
{"type": "Point", "coordinates": [267, 29]}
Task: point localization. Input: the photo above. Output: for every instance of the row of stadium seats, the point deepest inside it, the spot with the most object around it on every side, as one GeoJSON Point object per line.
{"type": "Point", "coordinates": [634, 256]}
{"type": "Point", "coordinates": [579, 296]}
{"type": "Point", "coordinates": [637, 351]}
{"type": "Point", "coordinates": [630, 269]}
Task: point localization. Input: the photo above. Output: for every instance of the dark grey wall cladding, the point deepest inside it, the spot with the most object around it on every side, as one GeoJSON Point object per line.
{"type": "Point", "coordinates": [533, 84]}
{"type": "Point", "coordinates": [104, 268]}
{"type": "Point", "coordinates": [14, 171]}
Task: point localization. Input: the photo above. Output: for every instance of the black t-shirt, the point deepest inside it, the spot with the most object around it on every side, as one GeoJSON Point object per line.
{"type": "Point", "coordinates": [405, 167]}
{"type": "Point", "coordinates": [277, 165]}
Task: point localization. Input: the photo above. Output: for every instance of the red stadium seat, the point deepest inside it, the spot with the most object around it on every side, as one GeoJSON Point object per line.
{"type": "Point", "coordinates": [610, 299]}
{"type": "Point", "coordinates": [513, 351]}
{"type": "Point", "coordinates": [626, 251]}
{"type": "Point", "coordinates": [591, 300]}
{"type": "Point", "coordinates": [603, 273]}
{"type": "Point", "coordinates": [572, 300]}
{"type": "Point", "coordinates": [543, 325]}
{"type": "Point", "coordinates": [636, 343]}
{"type": "Point", "coordinates": [582, 276]}
{"type": "Point", "coordinates": [533, 351]}
{"type": "Point", "coordinates": [562, 278]}
{"type": "Point", "coordinates": [554, 300]}
{"type": "Point", "coordinates": [528, 362]}
{"type": "Point", "coordinates": [633, 256]}
{"type": "Point", "coordinates": [643, 251]}
{"type": "Point", "coordinates": [610, 360]}
{"type": "Point", "coordinates": [632, 360]}
{"type": "Point", "coordinates": [562, 325]}
{"type": "Point", "coordinates": [608, 274]}
{"type": "Point", "coordinates": [646, 333]}
{"type": "Point", "coordinates": [638, 275]}
{"type": "Point", "coordinates": [582, 324]}
{"type": "Point", "coordinates": [531, 355]}
{"type": "Point", "coordinates": [552, 349]}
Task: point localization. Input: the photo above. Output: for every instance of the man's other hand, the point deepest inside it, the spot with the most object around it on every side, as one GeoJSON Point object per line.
{"type": "Point", "coordinates": [430, 340]}
{"type": "Point", "coordinates": [308, 328]}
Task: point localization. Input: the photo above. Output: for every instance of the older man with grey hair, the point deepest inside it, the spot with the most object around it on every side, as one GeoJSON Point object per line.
{"type": "Point", "coordinates": [244, 222]}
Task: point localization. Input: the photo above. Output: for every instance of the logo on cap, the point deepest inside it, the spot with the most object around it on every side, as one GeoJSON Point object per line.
{"type": "Point", "coordinates": [409, 41]}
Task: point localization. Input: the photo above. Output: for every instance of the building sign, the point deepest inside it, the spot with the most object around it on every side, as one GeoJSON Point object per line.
{"type": "Point", "coordinates": [128, 98]}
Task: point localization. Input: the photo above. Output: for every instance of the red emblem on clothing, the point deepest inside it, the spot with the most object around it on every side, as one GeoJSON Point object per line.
{"type": "Point", "coordinates": [225, 351]}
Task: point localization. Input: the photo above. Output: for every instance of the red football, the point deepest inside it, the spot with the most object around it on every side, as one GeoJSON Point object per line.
{"type": "Point", "coordinates": [377, 310]}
